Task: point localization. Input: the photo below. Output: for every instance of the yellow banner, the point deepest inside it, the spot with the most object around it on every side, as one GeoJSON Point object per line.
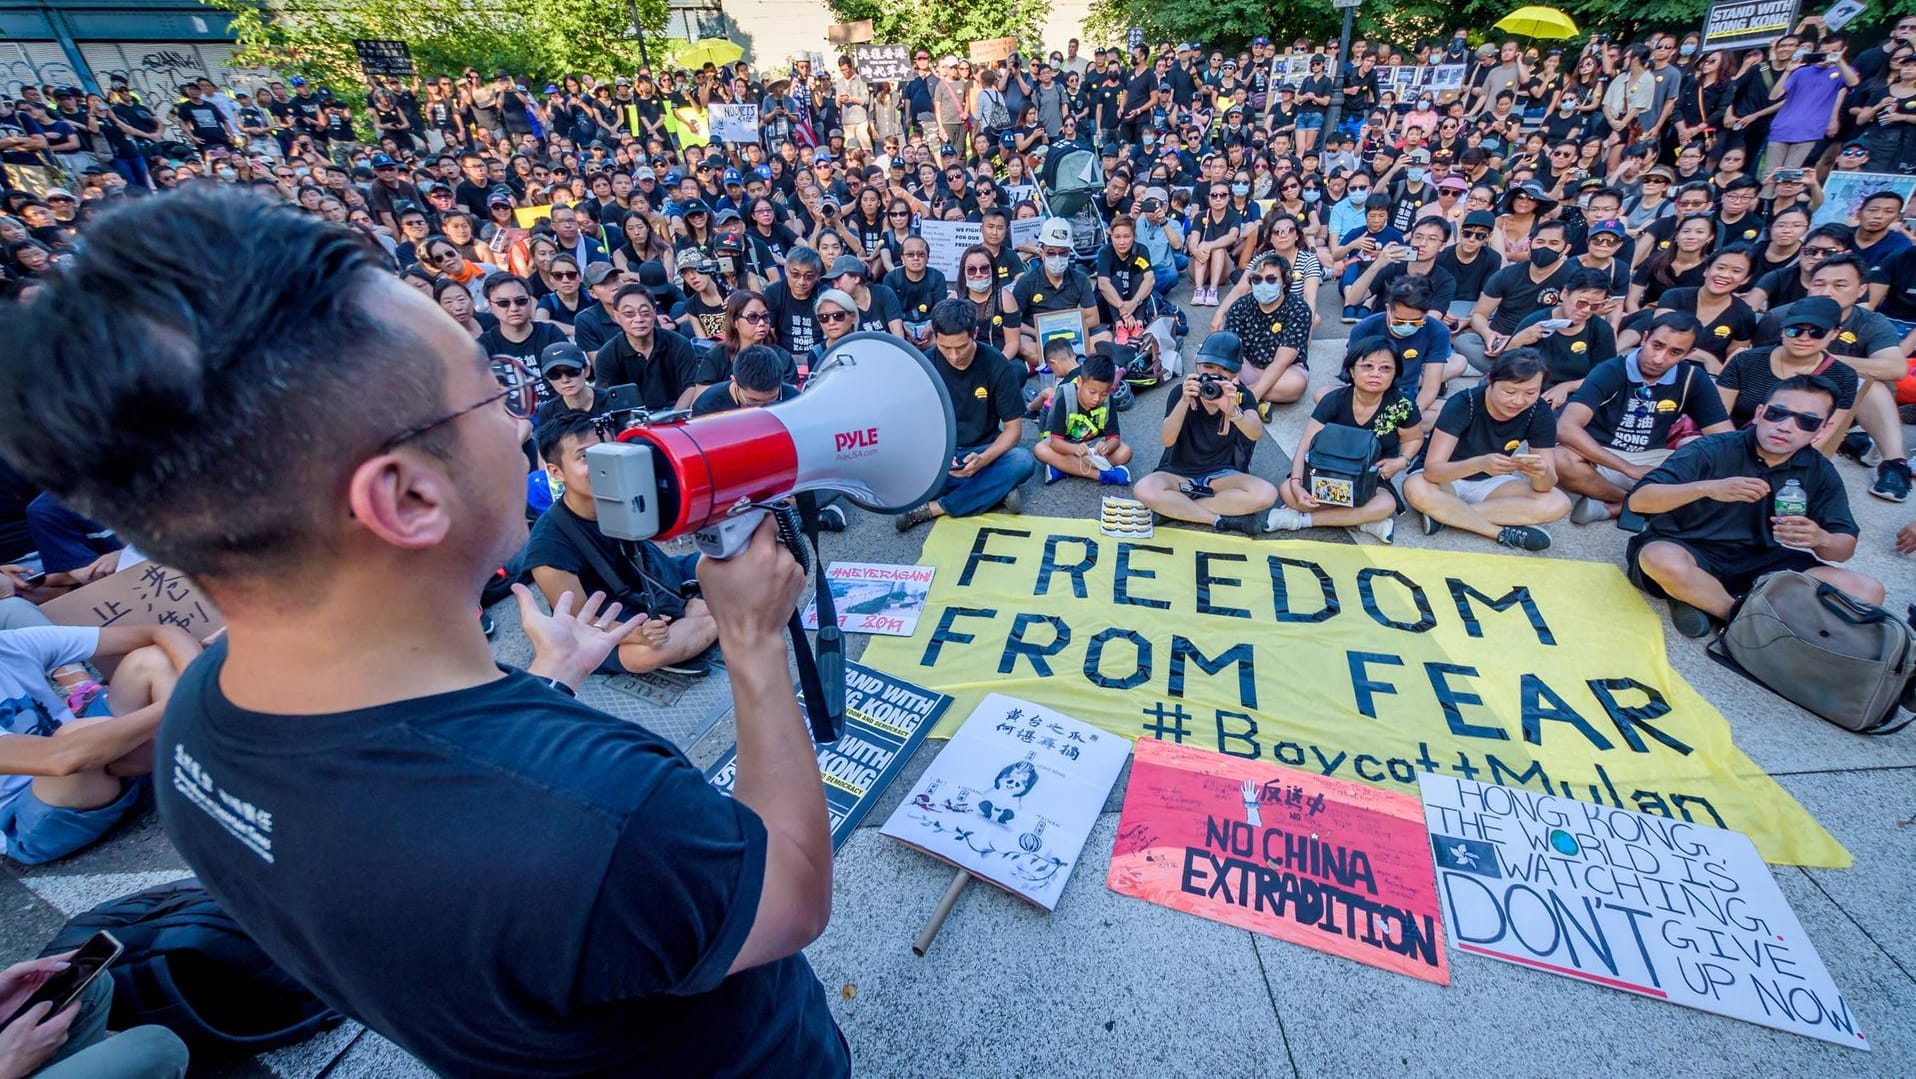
{"type": "Point", "coordinates": [1363, 663]}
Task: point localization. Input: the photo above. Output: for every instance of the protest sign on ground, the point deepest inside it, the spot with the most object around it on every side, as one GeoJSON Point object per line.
{"type": "Point", "coordinates": [1013, 796]}
{"type": "Point", "coordinates": [142, 594]}
{"type": "Point", "coordinates": [1340, 867]}
{"type": "Point", "coordinates": [1373, 664]}
{"type": "Point", "coordinates": [874, 597]}
{"type": "Point", "coordinates": [1665, 908]}
{"type": "Point", "coordinates": [885, 720]}
{"type": "Point", "coordinates": [733, 123]}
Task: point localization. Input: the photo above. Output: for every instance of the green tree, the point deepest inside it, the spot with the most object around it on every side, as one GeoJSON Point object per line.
{"type": "Point", "coordinates": [946, 27]}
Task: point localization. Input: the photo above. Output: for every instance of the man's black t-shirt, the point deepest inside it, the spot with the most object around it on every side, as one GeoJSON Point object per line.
{"type": "Point", "coordinates": [983, 396]}
{"type": "Point", "coordinates": [1470, 276]}
{"type": "Point", "coordinates": [201, 119]}
{"type": "Point", "coordinates": [661, 376]}
{"type": "Point", "coordinates": [564, 887]}
{"type": "Point", "coordinates": [1518, 295]}
{"type": "Point", "coordinates": [917, 298]}
{"type": "Point", "coordinates": [718, 398]}
{"type": "Point", "coordinates": [1749, 373]}
{"type": "Point", "coordinates": [1035, 294]}
{"type": "Point", "coordinates": [1898, 274]}
{"type": "Point", "coordinates": [795, 321]}
{"type": "Point", "coordinates": [1628, 415]}
{"type": "Point", "coordinates": [1207, 442]}
{"type": "Point", "coordinates": [495, 342]}
{"type": "Point", "coordinates": [1478, 432]}
{"type": "Point", "coordinates": [1783, 285]}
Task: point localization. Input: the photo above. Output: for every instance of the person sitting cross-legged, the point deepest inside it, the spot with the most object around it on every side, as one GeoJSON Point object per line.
{"type": "Point", "coordinates": [990, 467]}
{"type": "Point", "coordinates": [1372, 398]}
{"type": "Point", "coordinates": [1618, 424]}
{"type": "Point", "coordinates": [1081, 427]}
{"type": "Point", "coordinates": [1210, 429]}
{"type": "Point", "coordinates": [1488, 469]}
{"type": "Point", "coordinates": [1713, 528]}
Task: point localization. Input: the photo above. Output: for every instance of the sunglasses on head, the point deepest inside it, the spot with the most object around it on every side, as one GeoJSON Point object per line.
{"type": "Point", "coordinates": [1805, 421]}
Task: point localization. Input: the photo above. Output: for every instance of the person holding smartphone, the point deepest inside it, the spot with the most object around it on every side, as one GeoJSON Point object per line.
{"type": "Point", "coordinates": [51, 1040]}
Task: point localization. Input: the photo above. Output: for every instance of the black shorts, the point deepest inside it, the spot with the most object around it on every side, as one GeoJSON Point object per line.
{"type": "Point", "coordinates": [1737, 570]}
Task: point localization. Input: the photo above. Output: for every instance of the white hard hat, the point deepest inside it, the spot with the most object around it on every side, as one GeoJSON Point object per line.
{"type": "Point", "coordinates": [1055, 232]}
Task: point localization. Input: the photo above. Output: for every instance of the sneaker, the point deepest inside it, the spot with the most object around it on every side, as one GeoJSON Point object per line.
{"type": "Point", "coordinates": [1350, 316]}
{"type": "Point", "coordinates": [1690, 621]}
{"type": "Point", "coordinates": [1015, 500]}
{"type": "Point", "coordinates": [1432, 525]}
{"type": "Point", "coordinates": [831, 519]}
{"type": "Point", "coordinates": [1052, 474]}
{"type": "Point", "coordinates": [695, 667]}
{"type": "Point", "coordinates": [912, 518]}
{"type": "Point", "coordinates": [1116, 475]}
{"type": "Point", "coordinates": [1589, 511]}
{"type": "Point", "coordinates": [1385, 530]}
{"type": "Point", "coordinates": [1892, 480]}
{"type": "Point", "coordinates": [1524, 537]}
{"type": "Point", "coordinates": [1237, 522]}
{"type": "Point", "coordinates": [1283, 518]}
{"type": "Point", "coordinates": [1855, 445]}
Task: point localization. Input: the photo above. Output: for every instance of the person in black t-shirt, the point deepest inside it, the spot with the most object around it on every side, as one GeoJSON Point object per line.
{"type": "Point", "coordinates": [1204, 476]}
{"type": "Point", "coordinates": [567, 553]}
{"type": "Point", "coordinates": [1808, 331]}
{"type": "Point", "coordinates": [204, 124]}
{"type": "Point", "coordinates": [1569, 336]}
{"type": "Point", "coordinates": [517, 335]}
{"type": "Point", "coordinates": [1512, 293]}
{"type": "Point", "coordinates": [1617, 426]}
{"type": "Point", "coordinates": [792, 301]}
{"type": "Point", "coordinates": [1713, 530]}
{"type": "Point", "coordinates": [1373, 398]}
{"type": "Point", "coordinates": [1489, 468]}
{"type": "Point", "coordinates": [989, 466]}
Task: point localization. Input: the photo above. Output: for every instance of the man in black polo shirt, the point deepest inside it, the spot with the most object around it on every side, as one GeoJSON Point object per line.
{"type": "Point", "coordinates": [989, 466]}
{"type": "Point", "coordinates": [656, 360]}
{"type": "Point", "coordinates": [1712, 506]}
{"type": "Point", "coordinates": [594, 326]}
{"type": "Point", "coordinates": [1616, 427]}
{"type": "Point", "coordinates": [1204, 476]}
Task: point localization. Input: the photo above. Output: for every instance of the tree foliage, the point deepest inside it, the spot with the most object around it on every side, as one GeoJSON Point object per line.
{"type": "Point", "coordinates": [946, 26]}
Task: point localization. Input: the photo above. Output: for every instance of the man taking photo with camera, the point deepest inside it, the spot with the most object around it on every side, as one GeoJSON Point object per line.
{"type": "Point", "coordinates": [500, 879]}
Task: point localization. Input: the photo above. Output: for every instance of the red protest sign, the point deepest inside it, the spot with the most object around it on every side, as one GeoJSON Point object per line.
{"type": "Point", "coordinates": [1341, 867]}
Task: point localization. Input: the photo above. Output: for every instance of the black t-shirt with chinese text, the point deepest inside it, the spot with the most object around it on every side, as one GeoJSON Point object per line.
{"type": "Point", "coordinates": [794, 321]}
{"type": "Point", "coordinates": [1628, 415]}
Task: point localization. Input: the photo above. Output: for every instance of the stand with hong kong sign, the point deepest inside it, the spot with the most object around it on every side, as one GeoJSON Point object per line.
{"type": "Point", "coordinates": [1340, 867]}
{"type": "Point", "coordinates": [1740, 24]}
{"type": "Point", "coordinates": [1664, 908]}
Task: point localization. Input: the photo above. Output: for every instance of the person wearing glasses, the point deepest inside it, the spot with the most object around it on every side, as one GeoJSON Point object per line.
{"type": "Point", "coordinates": [567, 370]}
{"type": "Point", "coordinates": [517, 336]}
{"type": "Point", "coordinates": [1789, 283]}
{"type": "Point", "coordinates": [1748, 377]}
{"type": "Point", "coordinates": [1713, 530]}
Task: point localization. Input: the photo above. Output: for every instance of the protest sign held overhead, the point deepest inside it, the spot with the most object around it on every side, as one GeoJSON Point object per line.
{"type": "Point", "coordinates": [885, 721]}
{"type": "Point", "coordinates": [1012, 796]}
{"type": "Point", "coordinates": [1336, 866]}
{"type": "Point", "coordinates": [734, 123]}
{"type": "Point", "coordinates": [1365, 664]}
{"type": "Point", "coordinates": [1669, 909]}
{"type": "Point", "coordinates": [1740, 24]}
{"type": "Point", "coordinates": [384, 57]}
{"type": "Point", "coordinates": [882, 63]}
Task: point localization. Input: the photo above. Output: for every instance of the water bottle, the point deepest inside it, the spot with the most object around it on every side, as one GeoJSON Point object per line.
{"type": "Point", "coordinates": [1792, 500]}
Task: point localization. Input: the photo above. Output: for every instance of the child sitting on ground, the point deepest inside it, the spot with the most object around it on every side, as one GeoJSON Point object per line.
{"type": "Point", "coordinates": [1081, 429]}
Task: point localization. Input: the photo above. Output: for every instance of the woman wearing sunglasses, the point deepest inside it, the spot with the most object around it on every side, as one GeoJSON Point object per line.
{"type": "Point", "coordinates": [567, 298]}
{"type": "Point", "coordinates": [1750, 375]}
{"type": "Point", "coordinates": [748, 322]}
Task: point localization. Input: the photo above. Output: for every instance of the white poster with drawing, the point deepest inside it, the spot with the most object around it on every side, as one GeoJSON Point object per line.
{"type": "Point", "coordinates": [1647, 904]}
{"type": "Point", "coordinates": [1013, 796]}
{"type": "Point", "coordinates": [875, 597]}
{"type": "Point", "coordinates": [733, 123]}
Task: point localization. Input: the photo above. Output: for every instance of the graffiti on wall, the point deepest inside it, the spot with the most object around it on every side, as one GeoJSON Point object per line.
{"type": "Point", "coordinates": [35, 64]}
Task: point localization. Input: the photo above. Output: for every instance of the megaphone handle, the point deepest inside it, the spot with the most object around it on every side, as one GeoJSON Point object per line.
{"type": "Point", "coordinates": [727, 536]}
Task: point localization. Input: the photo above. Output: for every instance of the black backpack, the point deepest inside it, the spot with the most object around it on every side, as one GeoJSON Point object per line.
{"type": "Point", "coordinates": [190, 968]}
{"type": "Point", "coordinates": [1341, 466]}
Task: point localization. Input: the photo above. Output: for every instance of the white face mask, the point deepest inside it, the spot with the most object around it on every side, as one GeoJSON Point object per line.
{"type": "Point", "coordinates": [978, 285]}
{"type": "Point", "coordinates": [1057, 264]}
{"type": "Point", "coordinates": [1266, 293]}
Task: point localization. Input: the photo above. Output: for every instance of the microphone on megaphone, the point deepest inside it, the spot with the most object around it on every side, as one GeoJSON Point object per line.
{"type": "Point", "coordinates": [874, 423]}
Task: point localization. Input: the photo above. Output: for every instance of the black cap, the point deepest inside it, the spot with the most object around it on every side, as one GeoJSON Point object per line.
{"type": "Point", "coordinates": [562, 354]}
{"type": "Point", "coordinates": [1818, 311]}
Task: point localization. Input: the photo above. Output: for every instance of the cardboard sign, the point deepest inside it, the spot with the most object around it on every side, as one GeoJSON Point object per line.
{"type": "Point", "coordinates": [733, 123]}
{"type": "Point", "coordinates": [1335, 866]}
{"type": "Point", "coordinates": [993, 49]}
{"type": "Point", "coordinates": [1052, 325]}
{"type": "Point", "coordinates": [875, 598]}
{"type": "Point", "coordinates": [1739, 24]}
{"type": "Point", "coordinates": [1844, 192]}
{"type": "Point", "coordinates": [143, 594]}
{"type": "Point", "coordinates": [948, 240]}
{"type": "Point", "coordinates": [1665, 908]}
{"type": "Point", "coordinates": [883, 63]}
{"type": "Point", "coordinates": [1024, 231]}
{"type": "Point", "coordinates": [384, 57]}
{"type": "Point", "coordinates": [528, 216]}
{"type": "Point", "coordinates": [1013, 796]}
{"type": "Point", "coordinates": [885, 720]}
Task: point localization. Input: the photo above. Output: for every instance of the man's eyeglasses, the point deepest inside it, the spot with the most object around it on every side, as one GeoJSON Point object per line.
{"type": "Point", "coordinates": [517, 394]}
{"type": "Point", "coordinates": [1805, 421]}
{"type": "Point", "coordinates": [1815, 332]}
{"type": "Point", "coordinates": [513, 302]}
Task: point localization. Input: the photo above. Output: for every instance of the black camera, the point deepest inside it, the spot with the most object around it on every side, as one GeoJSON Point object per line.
{"type": "Point", "coordinates": [1210, 387]}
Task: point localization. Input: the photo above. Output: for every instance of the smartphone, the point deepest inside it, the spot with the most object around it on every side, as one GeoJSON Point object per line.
{"type": "Point", "coordinates": [1789, 174]}
{"type": "Point", "coordinates": [623, 398]}
{"type": "Point", "coordinates": [35, 578]}
{"type": "Point", "coordinates": [1817, 58]}
{"type": "Point", "coordinates": [63, 988]}
{"type": "Point", "coordinates": [1527, 458]}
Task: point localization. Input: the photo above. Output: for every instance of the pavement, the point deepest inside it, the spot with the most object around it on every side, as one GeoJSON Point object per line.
{"type": "Point", "coordinates": [1108, 985]}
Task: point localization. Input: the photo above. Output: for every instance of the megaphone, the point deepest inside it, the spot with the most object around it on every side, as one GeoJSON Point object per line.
{"type": "Point", "coordinates": [874, 422]}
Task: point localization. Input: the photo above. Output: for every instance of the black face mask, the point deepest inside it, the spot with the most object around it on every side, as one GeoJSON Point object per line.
{"type": "Point", "coordinates": [1544, 257]}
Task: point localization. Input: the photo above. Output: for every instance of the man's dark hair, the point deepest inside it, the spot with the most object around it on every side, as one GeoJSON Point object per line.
{"type": "Point", "coordinates": [1680, 321]}
{"type": "Point", "coordinates": [633, 288]}
{"type": "Point", "coordinates": [1412, 290]}
{"type": "Point", "coordinates": [1061, 346]}
{"type": "Point", "coordinates": [1834, 230]}
{"type": "Point", "coordinates": [758, 368]}
{"type": "Point", "coordinates": [556, 430]}
{"type": "Point", "coordinates": [1549, 226]}
{"type": "Point", "coordinates": [211, 427]}
{"type": "Point", "coordinates": [1517, 365]}
{"type": "Point", "coordinates": [1581, 280]}
{"type": "Point", "coordinates": [1846, 258]}
{"type": "Point", "coordinates": [501, 280]}
{"type": "Point", "coordinates": [1099, 367]}
{"type": "Point", "coordinates": [1806, 383]}
{"type": "Point", "coordinates": [954, 317]}
{"type": "Point", "coordinates": [1874, 195]}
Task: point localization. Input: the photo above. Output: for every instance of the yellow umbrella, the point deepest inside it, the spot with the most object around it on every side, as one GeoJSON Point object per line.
{"type": "Point", "coordinates": [714, 50]}
{"type": "Point", "coordinates": [1538, 22]}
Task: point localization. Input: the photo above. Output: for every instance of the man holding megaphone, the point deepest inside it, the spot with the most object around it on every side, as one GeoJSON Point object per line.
{"type": "Point", "coordinates": [500, 879]}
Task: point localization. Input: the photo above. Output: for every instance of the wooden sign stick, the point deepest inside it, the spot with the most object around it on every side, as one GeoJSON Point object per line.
{"type": "Point", "coordinates": [937, 920]}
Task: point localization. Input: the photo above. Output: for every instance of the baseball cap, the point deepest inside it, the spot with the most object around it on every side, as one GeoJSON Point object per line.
{"type": "Point", "coordinates": [1663, 171]}
{"type": "Point", "coordinates": [296, 81]}
{"type": "Point", "coordinates": [694, 206]}
{"type": "Point", "coordinates": [731, 177]}
{"type": "Point", "coordinates": [761, 172]}
{"type": "Point", "coordinates": [1453, 183]}
{"type": "Point", "coordinates": [61, 193]}
{"type": "Point", "coordinates": [562, 354]}
{"type": "Point", "coordinates": [644, 172]}
{"type": "Point", "coordinates": [725, 213]}
{"type": "Point", "coordinates": [845, 264]}
{"type": "Point", "coordinates": [1611, 227]}
{"type": "Point", "coordinates": [695, 260]}
{"type": "Point", "coordinates": [1480, 219]}
{"type": "Point", "coordinates": [821, 154]}
{"type": "Point", "coordinates": [1818, 311]}
{"type": "Point", "coordinates": [1420, 157]}
{"type": "Point", "coordinates": [672, 178]}
{"type": "Point", "coordinates": [597, 272]}
{"type": "Point", "coordinates": [1154, 194]}
{"type": "Point", "coordinates": [384, 161]}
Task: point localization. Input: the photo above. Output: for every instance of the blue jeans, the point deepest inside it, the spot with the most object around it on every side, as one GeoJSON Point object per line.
{"type": "Point", "coordinates": [134, 171]}
{"type": "Point", "coordinates": [990, 485]}
{"type": "Point", "coordinates": [65, 539]}
{"type": "Point", "coordinates": [1164, 279]}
